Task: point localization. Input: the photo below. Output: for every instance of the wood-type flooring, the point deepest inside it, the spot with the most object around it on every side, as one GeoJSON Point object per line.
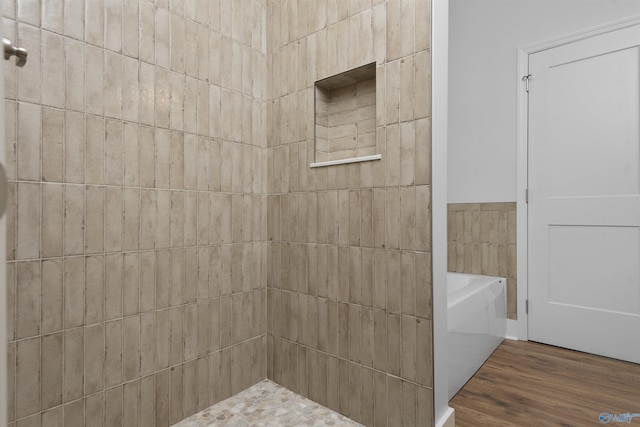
{"type": "Point", "coordinates": [531, 384]}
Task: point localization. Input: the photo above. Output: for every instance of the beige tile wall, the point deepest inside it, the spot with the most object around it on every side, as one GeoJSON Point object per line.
{"type": "Point", "coordinates": [136, 155]}
{"type": "Point", "coordinates": [349, 260]}
{"type": "Point", "coordinates": [482, 240]}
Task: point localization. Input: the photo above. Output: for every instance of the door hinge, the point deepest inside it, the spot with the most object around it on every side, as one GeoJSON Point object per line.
{"type": "Point", "coordinates": [526, 306]}
{"type": "Point", "coordinates": [526, 195]}
{"type": "Point", "coordinates": [526, 81]}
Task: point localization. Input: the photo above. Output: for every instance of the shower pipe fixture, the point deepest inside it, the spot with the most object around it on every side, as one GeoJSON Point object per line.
{"type": "Point", "coordinates": [12, 50]}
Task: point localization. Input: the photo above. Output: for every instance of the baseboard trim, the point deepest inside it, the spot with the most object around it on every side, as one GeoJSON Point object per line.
{"type": "Point", "coordinates": [448, 419]}
{"type": "Point", "coordinates": [512, 330]}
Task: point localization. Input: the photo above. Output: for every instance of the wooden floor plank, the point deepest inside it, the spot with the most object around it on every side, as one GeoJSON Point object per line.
{"type": "Point", "coordinates": [531, 384]}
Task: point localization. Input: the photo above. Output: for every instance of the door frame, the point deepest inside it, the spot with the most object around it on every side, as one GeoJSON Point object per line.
{"type": "Point", "coordinates": [522, 219]}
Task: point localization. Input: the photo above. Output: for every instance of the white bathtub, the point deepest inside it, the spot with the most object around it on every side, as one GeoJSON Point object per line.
{"type": "Point", "coordinates": [476, 323]}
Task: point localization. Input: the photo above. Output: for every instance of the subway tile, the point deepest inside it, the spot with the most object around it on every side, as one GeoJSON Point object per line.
{"type": "Point", "coordinates": [131, 404]}
{"type": "Point", "coordinates": [422, 25]}
{"type": "Point", "coordinates": [147, 281]}
{"type": "Point", "coordinates": [409, 404]}
{"type": "Point", "coordinates": [380, 340]}
{"type": "Point", "coordinates": [27, 377]}
{"type": "Point", "coordinates": [131, 220]}
{"type": "Point", "coordinates": [176, 336]}
{"type": "Point", "coordinates": [424, 358]}
{"type": "Point", "coordinates": [355, 392]}
{"type": "Point", "coordinates": [130, 29]}
{"type": "Point", "coordinates": [423, 285]}
{"type": "Point", "coordinates": [52, 285]}
{"type": "Point", "coordinates": [10, 304]}
{"type": "Point", "coordinates": [94, 32]}
{"type": "Point", "coordinates": [112, 84]}
{"type": "Point", "coordinates": [94, 71]}
{"type": "Point", "coordinates": [409, 366]}
{"type": "Point", "coordinates": [51, 369]}
{"type": "Point", "coordinates": [29, 143]}
{"type": "Point", "coordinates": [191, 264]}
{"type": "Point", "coordinates": [74, 88]}
{"type": "Point", "coordinates": [162, 98]}
{"type": "Point", "coordinates": [131, 348]}
{"type": "Point", "coordinates": [113, 25]}
{"type": "Point", "coordinates": [344, 391]}
{"type": "Point", "coordinates": [147, 400]}
{"type": "Point", "coordinates": [94, 290]}
{"type": "Point", "coordinates": [53, 60]}
{"type": "Point", "coordinates": [73, 364]}
{"type": "Point", "coordinates": [394, 401]}
{"type": "Point", "coordinates": [368, 393]}
{"type": "Point", "coordinates": [147, 343]}
{"type": "Point", "coordinates": [176, 289]}
{"type": "Point", "coordinates": [190, 390]}
{"type": "Point", "coordinates": [113, 354]}
{"type": "Point", "coordinates": [53, 138]}
{"type": "Point", "coordinates": [74, 277]}
{"type": "Point", "coordinates": [113, 219]}
{"type": "Point", "coordinates": [423, 151]}
{"type": "Point", "coordinates": [146, 86]}
{"type": "Point", "coordinates": [379, 218]}
{"type": "Point", "coordinates": [162, 402]}
{"type": "Point", "coordinates": [52, 220]}
{"type": "Point", "coordinates": [94, 358]}
{"type": "Point", "coordinates": [407, 28]}
{"type": "Point", "coordinates": [51, 418]}
{"type": "Point", "coordinates": [95, 154]}
{"type": "Point", "coordinates": [95, 215]}
{"type": "Point", "coordinates": [11, 381]}
{"type": "Point", "coordinates": [113, 286]}
{"type": "Point", "coordinates": [190, 331]}
{"type": "Point", "coordinates": [394, 344]}
{"type": "Point", "coordinates": [215, 383]}
{"type": "Point", "coordinates": [29, 37]}
{"type": "Point", "coordinates": [113, 406]}
{"type": "Point", "coordinates": [162, 339]}
{"type": "Point", "coordinates": [392, 215]}
{"type": "Point", "coordinates": [74, 219]}
{"type": "Point", "coordinates": [74, 412]}
{"type": "Point", "coordinates": [130, 87]}
{"type": "Point", "coordinates": [113, 146]}
{"type": "Point", "coordinates": [52, 15]}
{"type": "Point", "coordinates": [422, 82]}
{"type": "Point", "coordinates": [147, 31]}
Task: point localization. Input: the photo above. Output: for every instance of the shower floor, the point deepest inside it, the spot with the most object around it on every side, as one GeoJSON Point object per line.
{"type": "Point", "coordinates": [266, 404]}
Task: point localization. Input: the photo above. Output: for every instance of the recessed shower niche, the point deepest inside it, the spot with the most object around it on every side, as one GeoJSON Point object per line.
{"type": "Point", "coordinates": [345, 117]}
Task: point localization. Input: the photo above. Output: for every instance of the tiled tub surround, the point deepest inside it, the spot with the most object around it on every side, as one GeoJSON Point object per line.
{"type": "Point", "coordinates": [482, 240]}
{"type": "Point", "coordinates": [270, 405]}
{"type": "Point", "coordinates": [349, 259]}
{"type": "Point", "coordinates": [137, 222]}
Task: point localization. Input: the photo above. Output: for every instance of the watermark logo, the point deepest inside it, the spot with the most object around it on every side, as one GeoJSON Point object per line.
{"type": "Point", "coordinates": [606, 418]}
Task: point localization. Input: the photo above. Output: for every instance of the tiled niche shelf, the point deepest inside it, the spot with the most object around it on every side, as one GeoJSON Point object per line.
{"type": "Point", "coordinates": [345, 117]}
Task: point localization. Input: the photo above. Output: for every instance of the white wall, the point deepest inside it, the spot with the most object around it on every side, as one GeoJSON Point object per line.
{"type": "Point", "coordinates": [483, 39]}
{"type": "Point", "coordinates": [440, 74]}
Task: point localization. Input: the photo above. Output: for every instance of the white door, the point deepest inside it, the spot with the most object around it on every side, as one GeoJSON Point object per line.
{"type": "Point", "coordinates": [584, 204]}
